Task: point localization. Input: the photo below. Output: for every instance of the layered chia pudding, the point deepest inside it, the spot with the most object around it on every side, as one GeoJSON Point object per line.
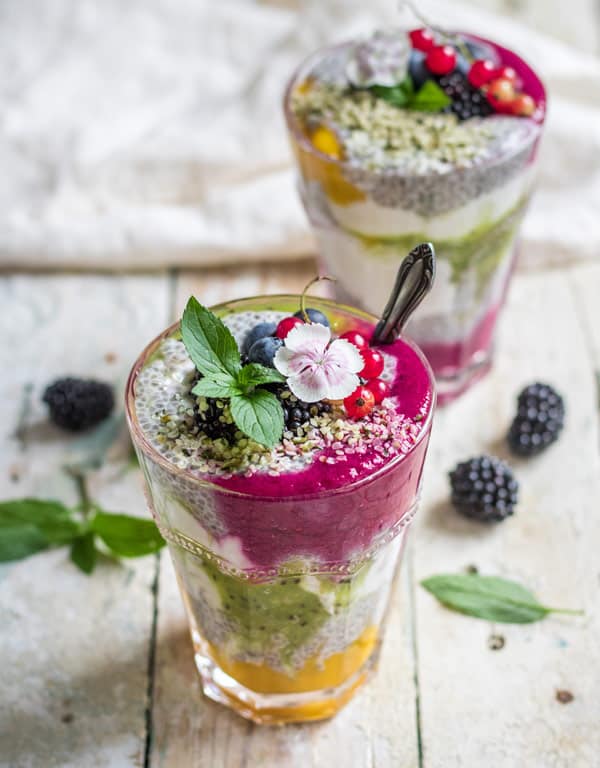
{"type": "Point", "coordinates": [286, 538]}
{"type": "Point", "coordinates": [424, 135]}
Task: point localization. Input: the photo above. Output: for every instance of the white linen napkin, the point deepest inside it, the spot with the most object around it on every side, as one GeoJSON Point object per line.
{"type": "Point", "coordinates": [149, 133]}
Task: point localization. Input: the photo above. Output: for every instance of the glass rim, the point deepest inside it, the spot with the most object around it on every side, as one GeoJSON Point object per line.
{"type": "Point", "coordinates": [142, 443]}
{"type": "Point", "coordinates": [295, 128]}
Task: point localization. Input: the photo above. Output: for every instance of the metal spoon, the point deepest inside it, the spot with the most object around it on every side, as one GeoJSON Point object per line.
{"type": "Point", "coordinates": [413, 283]}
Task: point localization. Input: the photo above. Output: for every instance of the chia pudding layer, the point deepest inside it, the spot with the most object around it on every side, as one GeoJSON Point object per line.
{"type": "Point", "coordinates": [286, 555]}
{"type": "Point", "coordinates": [377, 178]}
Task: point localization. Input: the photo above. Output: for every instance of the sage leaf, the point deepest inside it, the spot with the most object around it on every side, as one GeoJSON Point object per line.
{"type": "Point", "coordinates": [127, 536]}
{"type": "Point", "coordinates": [84, 552]}
{"type": "Point", "coordinates": [209, 343]}
{"type": "Point", "coordinates": [259, 415]}
{"type": "Point", "coordinates": [488, 597]}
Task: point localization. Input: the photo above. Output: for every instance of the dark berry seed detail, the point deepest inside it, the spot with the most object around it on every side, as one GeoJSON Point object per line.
{"type": "Point", "coordinates": [77, 404]}
{"type": "Point", "coordinates": [484, 488]}
{"type": "Point", "coordinates": [539, 420]}
{"type": "Point", "coordinates": [467, 101]}
{"type": "Point", "coordinates": [296, 413]}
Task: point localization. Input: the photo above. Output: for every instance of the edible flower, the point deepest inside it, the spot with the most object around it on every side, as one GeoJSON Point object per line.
{"type": "Point", "coordinates": [317, 368]}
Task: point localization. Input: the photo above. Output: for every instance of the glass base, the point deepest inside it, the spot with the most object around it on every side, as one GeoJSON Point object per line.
{"type": "Point", "coordinates": [451, 387]}
{"type": "Point", "coordinates": [278, 708]}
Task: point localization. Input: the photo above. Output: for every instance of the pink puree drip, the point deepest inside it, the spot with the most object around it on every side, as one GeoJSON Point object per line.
{"type": "Point", "coordinates": [447, 359]}
{"type": "Point", "coordinates": [272, 527]}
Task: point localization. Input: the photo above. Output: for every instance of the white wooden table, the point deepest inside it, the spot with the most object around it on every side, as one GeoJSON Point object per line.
{"type": "Point", "coordinates": [98, 671]}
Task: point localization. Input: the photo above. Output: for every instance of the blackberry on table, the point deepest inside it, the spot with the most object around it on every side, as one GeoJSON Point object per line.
{"type": "Point", "coordinates": [484, 488]}
{"type": "Point", "coordinates": [539, 420]}
{"type": "Point", "coordinates": [467, 101]}
{"type": "Point", "coordinates": [77, 404]}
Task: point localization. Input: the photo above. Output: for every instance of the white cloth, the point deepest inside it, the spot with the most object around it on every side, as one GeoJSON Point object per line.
{"type": "Point", "coordinates": [148, 133]}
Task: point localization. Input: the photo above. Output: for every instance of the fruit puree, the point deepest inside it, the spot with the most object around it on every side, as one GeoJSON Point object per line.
{"type": "Point", "coordinates": [285, 556]}
{"type": "Point", "coordinates": [377, 176]}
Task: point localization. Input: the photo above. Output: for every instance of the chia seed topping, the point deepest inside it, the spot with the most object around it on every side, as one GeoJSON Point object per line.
{"type": "Point", "coordinates": [166, 410]}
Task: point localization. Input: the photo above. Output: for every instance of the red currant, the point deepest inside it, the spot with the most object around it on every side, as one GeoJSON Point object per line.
{"type": "Point", "coordinates": [373, 363]}
{"type": "Point", "coordinates": [359, 403]}
{"type": "Point", "coordinates": [501, 90]}
{"type": "Point", "coordinates": [421, 39]}
{"type": "Point", "coordinates": [285, 326]}
{"type": "Point", "coordinates": [481, 72]}
{"type": "Point", "coordinates": [508, 73]}
{"type": "Point", "coordinates": [522, 105]}
{"type": "Point", "coordinates": [356, 338]}
{"type": "Point", "coordinates": [379, 388]}
{"type": "Point", "coordinates": [441, 59]}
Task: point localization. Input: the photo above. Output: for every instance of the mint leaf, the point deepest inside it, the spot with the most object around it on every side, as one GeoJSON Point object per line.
{"type": "Point", "coordinates": [429, 98]}
{"type": "Point", "coordinates": [30, 525]}
{"type": "Point", "coordinates": [254, 374]}
{"type": "Point", "coordinates": [259, 415]}
{"type": "Point", "coordinates": [19, 541]}
{"type": "Point", "coordinates": [398, 95]}
{"type": "Point", "coordinates": [488, 597]}
{"type": "Point", "coordinates": [127, 536]}
{"type": "Point", "coordinates": [209, 343]}
{"type": "Point", "coordinates": [209, 388]}
{"type": "Point", "coordinates": [84, 552]}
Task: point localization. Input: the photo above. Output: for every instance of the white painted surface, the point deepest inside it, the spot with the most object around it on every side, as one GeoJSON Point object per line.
{"type": "Point", "coordinates": [76, 645]}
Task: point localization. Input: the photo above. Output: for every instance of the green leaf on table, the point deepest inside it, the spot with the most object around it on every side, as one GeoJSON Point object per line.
{"type": "Point", "coordinates": [209, 388]}
{"type": "Point", "coordinates": [430, 98]}
{"type": "Point", "coordinates": [84, 552]}
{"type": "Point", "coordinates": [488, 597]}
{"type": "Point", "coordinates": [127, 536]}
{"type": "Point", "coordinates": [254, 374]}
{"type": "Point", "coordinates": [209, 343]}
{"type": "Point", "coordinates": [259, 415]}
{"type": "Point", "coordinates": [30, 525]}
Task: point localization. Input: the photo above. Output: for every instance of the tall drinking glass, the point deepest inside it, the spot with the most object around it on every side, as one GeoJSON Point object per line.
{"type": "Point", "coordinates": [286, 581]}
{"type": "Point", "coordinates": [366, 216]}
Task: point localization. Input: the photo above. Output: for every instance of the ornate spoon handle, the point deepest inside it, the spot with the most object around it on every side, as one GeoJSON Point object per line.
{"type": "Point", "coordinates": [413, 283]}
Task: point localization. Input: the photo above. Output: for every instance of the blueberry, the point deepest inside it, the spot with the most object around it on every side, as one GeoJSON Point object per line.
{"type": "Point", "coordinates": [258, 332]}
{"type": "Point", "coordinates": [417, 70]}
{"type": "Point", "coordinates": [315, 316]}
{"type": "Point", "coordinates": [263, 350]}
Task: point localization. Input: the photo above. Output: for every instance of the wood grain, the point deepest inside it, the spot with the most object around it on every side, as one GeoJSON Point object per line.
{"type": "Point", "coordinates": [499, 707]}
{"type": "Point", "coordinates": [74, 648]}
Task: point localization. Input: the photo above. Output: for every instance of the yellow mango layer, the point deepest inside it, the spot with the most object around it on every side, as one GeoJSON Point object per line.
{"type": "Point", "coordinates": [313, 676]}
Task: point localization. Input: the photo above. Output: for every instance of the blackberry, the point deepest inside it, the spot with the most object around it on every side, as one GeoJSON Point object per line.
{"type": "Point", "coordinates": [539, 420]}
{"type": "Point", "coordinates": [77, 404]}
{"type": "Point", "coordinates": [297, 413]}
{"type": "Point", "coordinates": [213, 417]}
{"type": "Point", "coordinates": [484, 488]}
{"type": "Point", "coordinates": [467, 101]}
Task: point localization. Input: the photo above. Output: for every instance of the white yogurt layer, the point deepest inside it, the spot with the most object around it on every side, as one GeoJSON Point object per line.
{"type": "Point", "coordinates": [372, 220]}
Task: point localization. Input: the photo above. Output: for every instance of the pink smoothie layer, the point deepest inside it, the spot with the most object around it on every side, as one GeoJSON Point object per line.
{"type": "Point", "coordinates": [449, 359]}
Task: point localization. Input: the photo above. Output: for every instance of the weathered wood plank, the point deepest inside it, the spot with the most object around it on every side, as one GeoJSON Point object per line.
{"type": "Point", "coordinates": [214, 286]}
{"type": "Point", "coordinates": [498, 707]}
{"type": "Point", "coordinates": [74, 649]}
{"type": "Point", "coordinates": [378, 728]}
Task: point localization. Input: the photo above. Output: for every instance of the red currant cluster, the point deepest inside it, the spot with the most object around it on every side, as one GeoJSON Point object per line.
{"type": "Point", "coordinates": [367, 395]}
{"type": "Point", "coordinates": [499, 84]}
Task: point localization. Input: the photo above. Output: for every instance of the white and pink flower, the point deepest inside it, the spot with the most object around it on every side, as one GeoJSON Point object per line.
{"type": "Point", "coordinates": [317, 368]}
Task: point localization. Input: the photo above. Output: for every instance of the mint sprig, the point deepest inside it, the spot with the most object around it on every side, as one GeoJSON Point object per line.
{"type": "Point", "coordinates": [213, 350]}
{"type": "Point", "coordinates": [489, 597]}
{"type": "Point", "coordinates": [429, 98]}
{"type": "Point", "coordinates": [28, 526]}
